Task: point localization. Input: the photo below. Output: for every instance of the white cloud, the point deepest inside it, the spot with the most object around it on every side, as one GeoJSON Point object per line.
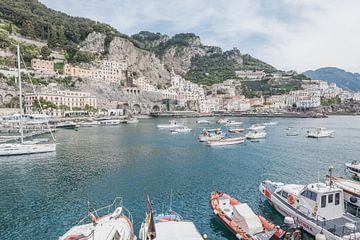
{"type": "Point", "coordinates": [290, 34]}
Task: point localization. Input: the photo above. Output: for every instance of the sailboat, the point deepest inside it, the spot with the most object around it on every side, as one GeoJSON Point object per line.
{"type": "Point", "coordinates": [25, 147]}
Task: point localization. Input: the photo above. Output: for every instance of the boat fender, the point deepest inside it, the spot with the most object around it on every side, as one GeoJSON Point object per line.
{"type": "Point", "coordinates": [93, 218]}
{"type": "Point", "coordinates": [215, 212]}
{"type": "Point", "coordinates": [238, 236]}
{"type": "Point", "coordinates": [320, 236]}
{"type": "Point", "coordinates": [353, 199]}
{"type": "Point", "coordinates": [291, 199]}
{"type": "Point", "coordinates": [315, 211]}
{"type": "Point", "coordinates": [205, 236]}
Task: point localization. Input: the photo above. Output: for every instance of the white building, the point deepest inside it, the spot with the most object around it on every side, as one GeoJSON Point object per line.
{"type": "Point", "coordinates": [304, 98]}
{"type": "Point", "coordinates": [210, 104]}
{"type": "Point", "coordinates": [277, 101]}
{"type": "Point", "coordinates": [237, 104]}
{"type": "Point", "coordinates": [250, 74]}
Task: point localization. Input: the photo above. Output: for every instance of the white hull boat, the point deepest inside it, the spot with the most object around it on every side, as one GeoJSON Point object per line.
{"type": "Point", "coordinates": [270, 123]}
{"type": "Point", "coordinates": [114, 122]}
{"type": "Point", "coordinates": [317, 207]}
{"type": "Point", "coordinates": [25, 148]}
{"type": "Point", "coordinates": [226, 141]}
{"type": "Point", "coordinates": [255, 135]}
{"type": "Point", "coordinates": [233, 123]}
{"type": "Point", "coordinates": [166, 226]}
{"type": "Point", "coordinates": [117, 224]}
{"type": "Point", "coordinates": [172, 125]}
{"type": "Point", "coordinates": [203, 121]}
{"type": "Point", "coordinates": [211, 137]}
{"type": "Point", "coordinates": [320, 133]}
{"type": "Point", "coordinates": [132, 121]}
{"type": "Point", "coordinates": [350, 188]}
{"type": "Point", "coordinates": [181, 130]}
{"type": "Point", "coordinates": [353, 168]}
{"type": "Point", "coordinates": [222, 121]}
{"type": "Point", "coordinates": [89, 124]}
{"type": "Point", "coordinates": [257, 127]}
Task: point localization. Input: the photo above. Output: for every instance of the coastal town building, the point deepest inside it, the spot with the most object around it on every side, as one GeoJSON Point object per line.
{"type": "Point", "coordinates": [75, 71]}
{"type": "Point", "coordinates": [237, 104]}
{"type": "Point", "coordinates": [250, 74]}
{"type": "Point", "coordinates": [43, 66]}
{"type": "Point", "coordinates": [257, 101]}
{"type": "Point", "coordinates": [211, 104]}
{"type": "Point", "coordinates": [277, 101]}
{"type": "Point", "coordinates": [64, 100]}
{"type": "Point", "coordinates": [309, 98]}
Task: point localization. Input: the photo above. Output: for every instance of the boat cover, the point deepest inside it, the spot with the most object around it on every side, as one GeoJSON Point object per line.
{"type": "Point", "coordinates": [177, 231]}
{"type": "Point", "coordinates": [247, 219]}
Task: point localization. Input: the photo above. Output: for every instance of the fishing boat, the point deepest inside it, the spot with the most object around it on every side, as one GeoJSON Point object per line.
{"type": "Point", "coordinates": [353, 168]}
{"type": "Point", "coordinates": [181, 130]}
{"type": "Point", "coordinates": [236, 130]}
{"type": "Point", "coordinates": [320, 132]}
{"type": "Point", "coordinates": [226, 141]}
{"type": "Point", "coordinates": [257, 127]}
{"type": "Point", "coordinates": [172, 125]}
{"type": "Point", "coordinates": [165, 226]}
{"type": "Point", "coordinates": [233, 123]}
{"type": "Point", "coordinates": [24, 148]}
{"type": "Point", "coordinates": [318, 207]}
{"type": "Point", "coordinates": [255, 135]}
{"type": "Point", "coordinates": [110, 122]}
{"type": "Point", "coordinates": [110, 222]}
{"type": "Point", "coordinates": [240, 219]}
{"type": "Point", "coordinates": [203, 121]}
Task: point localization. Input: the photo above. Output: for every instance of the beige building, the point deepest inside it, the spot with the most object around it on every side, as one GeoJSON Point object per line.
{"type": "Point", "coordinates": [69, 99]}
{"type": "Point", "coordinates": [74, 71]}
{"type": "Point", "coordinates": [44, 66]}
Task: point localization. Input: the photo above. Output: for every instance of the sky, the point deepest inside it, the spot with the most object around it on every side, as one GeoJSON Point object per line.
{"type": "Point", "coordinates": [289, 34]}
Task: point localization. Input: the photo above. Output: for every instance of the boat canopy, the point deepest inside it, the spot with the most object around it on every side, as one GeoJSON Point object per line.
{"type": "Point", "coordinates": [177, 231]}
{"type": "Point", "coordinates": [247, 219]}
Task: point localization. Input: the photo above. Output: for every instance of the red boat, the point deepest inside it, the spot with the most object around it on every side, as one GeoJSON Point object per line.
{"type": "Point", "coordinates": [244, 223]}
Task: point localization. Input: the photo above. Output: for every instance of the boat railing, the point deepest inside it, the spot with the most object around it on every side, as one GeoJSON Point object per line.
{"type": "Point", "coordinates": [106, 210]}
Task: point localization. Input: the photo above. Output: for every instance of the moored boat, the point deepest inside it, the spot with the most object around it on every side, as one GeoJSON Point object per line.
{"type": "Point", "coordinates": [172, 125]}
{"type": "Point", "coordinates": [226, 141]}
{"type": "Point", "coordinates": [353, 168]}
{"type": "Point", "coordinates": [240, 219]}
{"type": "Point", "coordinates": [291, 132]}
{"type": "Point", "coordinates": [203, 121]}
{"type": "Point", "coordinates": [110, 122]}
{"type": "Point", "coordinates": [318, 207]}
{"type": "Point", "coordinates": [181, 130]}
{"type": "Point", "coordinates": [89, 124]}
{"type": "Point", "coordinates": [255, 135]}
{"type": "Point", "coordinates": [132, 120]}
{"type": "Point", "coordinates": [270, 123]}
{"type": "Point", "coordinates": [320, 132]}
{"type": "Point", "coordinates": [211, 136]}
{"type": "Point", "coordinates": [166, 226]}
{"type": "Point", "coordinates": [67, 125]}
{"type": "Point", "coordinates": [233, 123]}
{"type": "Point", "coordinates": [350, 188]}
{"type": "Point", "coordinates": [236, 130]}
{"type": "Point", "coordinates": [257, 127]}
{"type": "Point", "coordinates": [110, 222]}
{"type": "Point", "coordinates": [222, 121]}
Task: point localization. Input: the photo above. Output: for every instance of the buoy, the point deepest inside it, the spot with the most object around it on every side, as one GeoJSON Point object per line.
{"type": "Point", "coordinates": [205, 236]}
{"type": "Point", "coordinates": [353, 199]}
{"type": "Point", "coordinates": [320, 236]}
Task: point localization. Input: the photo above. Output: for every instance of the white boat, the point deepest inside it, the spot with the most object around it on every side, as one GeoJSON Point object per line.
{"type": "Point", "coordinates": [203, 121]}
{"type": "Point", "coordinates": [226, 141]}
{"type": "Point", "coordinates": [132, 120]}
{"type": "Point", "coordinates": [318, 207]}
{"type": "Point", "coordinates": [270, 123]}
{"type": "Point", "coordinates": [25, 148]}
{"type": "Point", "coordinates": [350, 188]}
{"type": "Point", "coordinates": [89, 124]}
{"type": "Point", "coordinates": [255, 135]}
{"type": "Point", "coordinates": [257, 127]}
{"type": "Point", "coordinates": [181, 130]}
{"type": "Point", "coordinates": [166, 226]}
{"type": "Point", "coordinates": [67, 125]}
{"type": "Point", "coordinates": [233, 123]}
{"type": "Point", "coordinates": [110, 122]}
{"type": "Point", "coordinates": [222, 121]}
{"type": "Point", "coordinates": [172, 125]}
{"type": "Point", "coordinates": [291, 132]}
{"type": "Point", "coordinates": [211, 136]}
{"type": "Point", "coordinates": [320, 132]}
{"type": "Point", "coordinates": [104, 224]}
{"type": "Point", "coordinates": [353, 168]}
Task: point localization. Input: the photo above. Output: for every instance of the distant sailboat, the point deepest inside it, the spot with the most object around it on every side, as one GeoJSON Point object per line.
{"type": "Point", "coordinates": [24, 147]}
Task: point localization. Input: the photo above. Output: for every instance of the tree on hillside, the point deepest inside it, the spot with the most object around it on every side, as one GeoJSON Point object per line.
{"type": "Point", "coordinates": [45, 52]}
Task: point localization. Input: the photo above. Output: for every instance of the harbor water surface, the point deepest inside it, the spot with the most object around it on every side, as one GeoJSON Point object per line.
{"type": "Point", "coordinates": [42, 196]}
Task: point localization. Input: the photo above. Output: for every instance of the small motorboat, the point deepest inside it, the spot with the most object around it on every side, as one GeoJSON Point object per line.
{"type": "Point", "coordinates": [67, 125]}
{"type": "Point", "coordinates": [257, 127]}
{"type": "Point", "coordinates": [291, 132]}
{"type": "Point", "coordinates": [223, 121]}
{"type": "Point", "coordinates": [226, 141]}
{"type": "Point", "coordinates": [207, 136]}
{"type": "Point", "coordinates": [353, 168]}
{"type": "Point", "coordinates": [172, 125]}
{"type": "Point", "coordinates": [320, 132]}
{"type": "Point", "coordinates": [240, 219]}
{"type": "Point", "coordinates": [233, 123]}
{"type": "Point", "coordinates": [255, 135]}
{"type": "Point", "coordinates": [181, 130]}
{"type": "Point", "coordinates": [110, 222]}
{"type": "Point", "coordinates": [164, 226]}
{"type": "Point", "coordinates": [110, 122]}
{"type": "Point", "coordinates": [236, 130]}
{"type": "Point", "coordinates": [203, 121]}
{"type": "Point", "coordinates": [132, 121]}
{"type": "Point", "coordinates": [270, 123]}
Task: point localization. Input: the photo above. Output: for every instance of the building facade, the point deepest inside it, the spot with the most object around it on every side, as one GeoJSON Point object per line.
{"type": "Point", "coordinates": [44, 66]}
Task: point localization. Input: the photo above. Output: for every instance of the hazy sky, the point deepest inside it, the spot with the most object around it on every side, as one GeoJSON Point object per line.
{"type": "Point", "coordinates": [289, 34]}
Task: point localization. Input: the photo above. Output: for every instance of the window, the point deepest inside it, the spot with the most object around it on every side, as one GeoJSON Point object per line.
{"type": "Point", "coordinates": [323, 201]}
{"type": "Point", "coordinates": [284, 194]}
{"type": "Point", "coordinates": [330, 198]}
{"type": "Point", "coordinates": [337, 198]}
{"type": "Point", "coordinates": [309, 194]}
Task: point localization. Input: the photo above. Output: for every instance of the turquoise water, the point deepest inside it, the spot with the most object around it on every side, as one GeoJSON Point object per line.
{"type": "Point", "coordinates": [42, 196]}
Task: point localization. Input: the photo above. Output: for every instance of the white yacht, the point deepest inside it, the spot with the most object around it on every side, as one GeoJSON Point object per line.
{"type": "Point", "coordinates": [255, 135]}
{"type": "Point", "coordinates": [222, 120]}
{"type": "Point", "coordinates": [320, 132]}
{"type": "Point", "coordinates": [318, 207]}
{"type": "Point", "coordinates": [353, 168]}
{"type": "Point", "coordinates": [165, 226]}
{"type": "Point", "coordinates": [29, 147]}
{"type": "Point", "coordinates": [233, 123]}
{"type": "Point", "coordinates": [185, 129]}
{"type": "Point", "coordinates": [226, 141]}
{"type": "Point", "coordinates": [172, 125]}
{"type": "Point", "coordinates": [203, 121]}
{"type": "Point", "coordinates": [103, 224]}
{"type": "Point", "coordinates": [257, 127]}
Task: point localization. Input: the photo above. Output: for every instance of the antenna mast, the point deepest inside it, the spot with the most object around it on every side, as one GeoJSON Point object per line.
{"type": "Point", "coordinates": [20, 93]}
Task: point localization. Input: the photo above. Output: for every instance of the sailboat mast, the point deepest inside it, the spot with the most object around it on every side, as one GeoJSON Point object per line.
{"type": "Point", "coordinates": [20, 93]}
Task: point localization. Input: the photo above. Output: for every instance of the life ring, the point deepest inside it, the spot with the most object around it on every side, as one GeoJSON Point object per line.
{"type": "Point", "coordinates": [291, 199]}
